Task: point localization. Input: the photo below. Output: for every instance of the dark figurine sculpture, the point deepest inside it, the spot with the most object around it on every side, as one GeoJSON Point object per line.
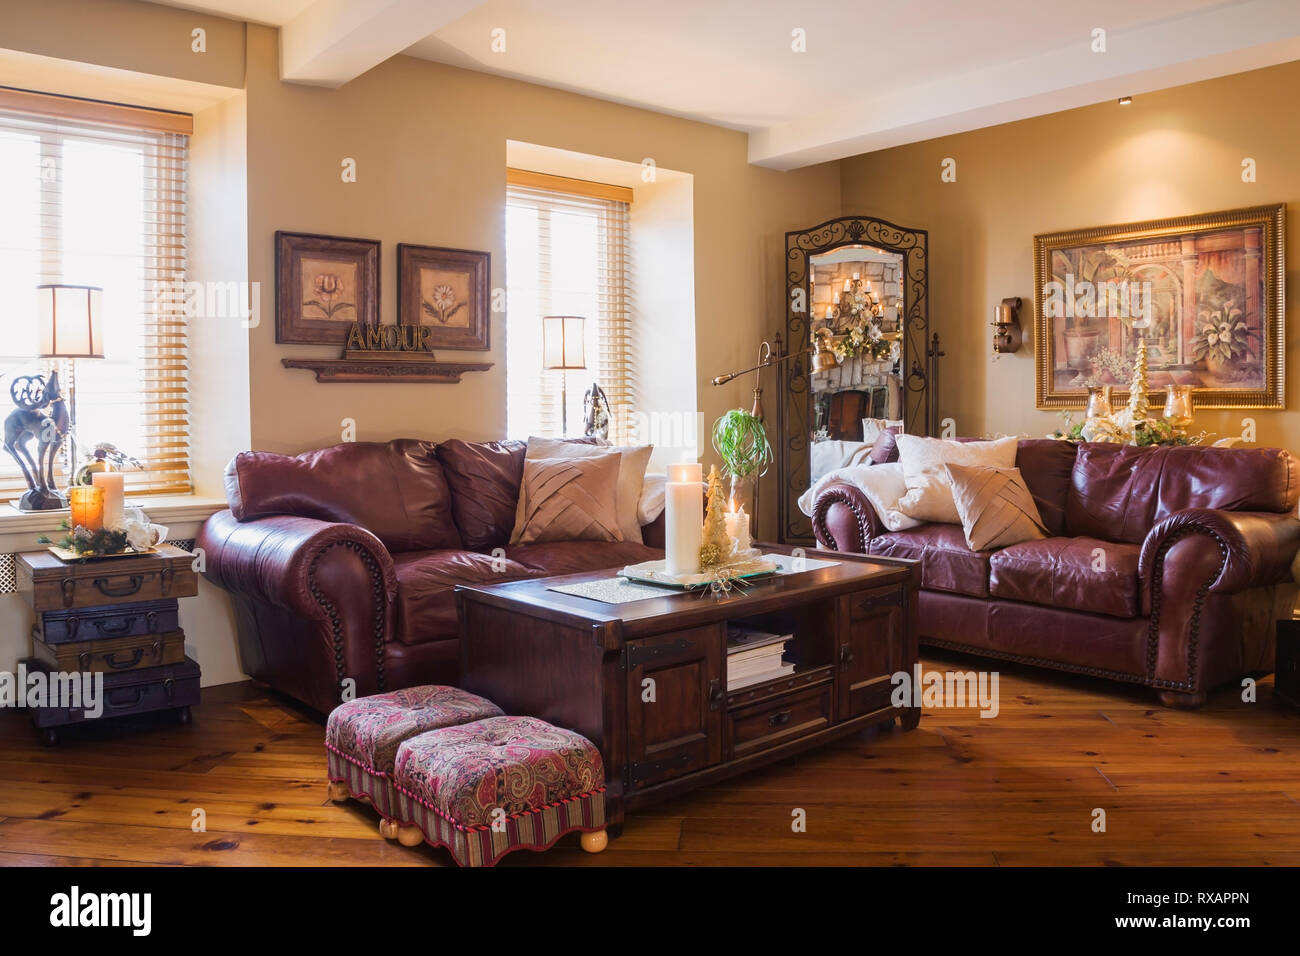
{"type": "Point", "coordinates": [42, 414]}
{"type": "Point", "coordinates": [596, 413]}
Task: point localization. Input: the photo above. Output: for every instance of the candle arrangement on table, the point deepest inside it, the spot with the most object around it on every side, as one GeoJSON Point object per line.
{"type": "Point", "coordinates": [99, 523]}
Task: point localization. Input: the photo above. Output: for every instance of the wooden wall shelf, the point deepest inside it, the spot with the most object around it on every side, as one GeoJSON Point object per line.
{"type": "Point", "coordinates": [344, 370]}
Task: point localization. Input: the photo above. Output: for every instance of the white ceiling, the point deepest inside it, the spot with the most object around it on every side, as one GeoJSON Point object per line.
{"type": "Point", "coordinates": [876, 73]}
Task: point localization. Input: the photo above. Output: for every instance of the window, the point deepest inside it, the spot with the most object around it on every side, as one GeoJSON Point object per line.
{"type": "Point", "coordinates": [96, 204]}
{"type": "Point", "coordinates": [566, 254]}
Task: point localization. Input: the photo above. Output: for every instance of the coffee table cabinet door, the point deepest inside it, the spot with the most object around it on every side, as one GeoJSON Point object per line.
{"type": "Point", "coordinates": [870, 641]}
{"type": "Point", "coordinates": [676, 692]}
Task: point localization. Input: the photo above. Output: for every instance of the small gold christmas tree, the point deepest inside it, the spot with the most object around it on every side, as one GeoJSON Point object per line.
{"type": "Point", "coordinates": [1137, 390]}
{"type": "Point", "coordinates": [716, 548]}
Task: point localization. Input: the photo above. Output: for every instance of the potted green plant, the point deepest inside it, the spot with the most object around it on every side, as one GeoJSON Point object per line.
{"type": "Point", "coordinates": [740, 440]}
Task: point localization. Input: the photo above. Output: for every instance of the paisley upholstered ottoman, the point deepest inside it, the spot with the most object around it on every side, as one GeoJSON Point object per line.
{"type": "Point", "coordinates": [362, 737]}
{"type": "Point", "coordinates": [490, 787]}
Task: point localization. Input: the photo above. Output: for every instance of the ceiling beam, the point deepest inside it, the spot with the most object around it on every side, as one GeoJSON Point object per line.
{"type": "Point", "coordinates": [1216, 42]}
{"type": "Point", "coordinates": [334, 41]}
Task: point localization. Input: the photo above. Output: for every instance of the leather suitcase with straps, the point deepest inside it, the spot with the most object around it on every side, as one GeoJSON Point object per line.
{"type": "Point", "coordinates": [101, 623]}
{"type": "Point", "coordinates": [49, 584]}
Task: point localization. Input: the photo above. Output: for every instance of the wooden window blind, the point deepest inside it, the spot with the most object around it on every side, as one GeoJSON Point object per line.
{"type": "Point", "coordinates": [101, 203]}
{"type": "Point", "coordinates": [567, 254]}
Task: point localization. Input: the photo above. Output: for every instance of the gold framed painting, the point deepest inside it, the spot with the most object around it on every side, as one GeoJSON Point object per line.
{"type": "Point", "coordinates": [445, 290]}
{"type": "Point", "coordinates": [1207, 292]}
{"type": "Point", "coordinates": [323, 284]}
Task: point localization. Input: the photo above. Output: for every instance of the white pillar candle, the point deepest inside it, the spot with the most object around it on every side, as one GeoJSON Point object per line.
{"type": "Point", "coordinates": [683, 517]}
{"type": "Point", "coordinates": [846, 285]}
{"type": "Point", "coordinates": [114, 485]}
{"type": "Point", "coordinates": [855, 278]}
{"type": "Point", "coordinates": [738, 530]}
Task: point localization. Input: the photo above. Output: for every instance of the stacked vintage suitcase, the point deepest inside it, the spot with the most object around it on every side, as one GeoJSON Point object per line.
{"type": "Point", "coordinates": [116, 616]}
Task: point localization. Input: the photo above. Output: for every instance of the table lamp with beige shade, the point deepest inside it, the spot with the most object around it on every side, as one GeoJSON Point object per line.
{"type": "Point", "coordinates": [564, 348]}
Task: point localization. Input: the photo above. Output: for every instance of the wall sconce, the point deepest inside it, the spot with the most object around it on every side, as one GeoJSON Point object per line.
{"type": "Point", "coordinates": [1007, 334]}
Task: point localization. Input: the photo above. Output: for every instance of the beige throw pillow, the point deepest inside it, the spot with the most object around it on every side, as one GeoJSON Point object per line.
{"type": "Point", "coordinates": [995, 505]}
{"type": "Point", "coordinates": [570, 499]}
{"type": "Point", "coordinates": [631, 475]}
{"type": "Point", "coordinates": [929, 490]}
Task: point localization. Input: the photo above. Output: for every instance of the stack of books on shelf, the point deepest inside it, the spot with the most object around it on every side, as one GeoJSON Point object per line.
{"type": "Point", "coordinates": [755, 656]}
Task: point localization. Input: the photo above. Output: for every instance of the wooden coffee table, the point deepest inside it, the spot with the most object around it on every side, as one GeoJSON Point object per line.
{"type": "Point", "coordinates": [647, 683]}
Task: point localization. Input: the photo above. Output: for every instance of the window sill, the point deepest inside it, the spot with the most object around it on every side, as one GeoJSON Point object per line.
{"type": "Point", "coordinates": [178, 512]}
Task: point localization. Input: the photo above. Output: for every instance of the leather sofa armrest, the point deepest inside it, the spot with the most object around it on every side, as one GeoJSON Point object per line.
{"type": "Point", "coordinates": [844, 519]}
{"type": "Point", "coordinates": [1191, 559]}
{"type": "Point", "coordinates": [1254, 548]}
{"type": "Point", "coordinates": [314, 602]}
{"type": "Point", "coordinates": [283, 559]}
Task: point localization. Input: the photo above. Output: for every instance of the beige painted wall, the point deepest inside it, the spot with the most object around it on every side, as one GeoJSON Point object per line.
{"type": "Point", "coordinates": [1171, 153]}
{"type": "Point", "coordinates": [430, 147]}
{"type": "Point", "coordinates": [128, 35]}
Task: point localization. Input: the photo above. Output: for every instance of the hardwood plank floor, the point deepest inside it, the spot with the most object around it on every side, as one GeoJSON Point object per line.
{"type": "Point", "coordinates": [1220, 785]}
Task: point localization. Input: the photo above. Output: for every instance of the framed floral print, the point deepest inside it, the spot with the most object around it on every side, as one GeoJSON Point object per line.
{"type": "Point", "coordinates": [324, 284]}
{"type": "Point", "coordinates": [447, 291]}
{"type": "Point", "coordinates": [1206, 292]}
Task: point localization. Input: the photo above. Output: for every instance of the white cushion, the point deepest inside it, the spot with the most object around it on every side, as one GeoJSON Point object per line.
{"type": "Point", "coordinates": [826, 456]}
{"type": "Point", "coordinates": [882, 484]}
{"type": "Point", "coordinates": [929, 490]}
{"type": "Point", "coordinates": [651, 505]}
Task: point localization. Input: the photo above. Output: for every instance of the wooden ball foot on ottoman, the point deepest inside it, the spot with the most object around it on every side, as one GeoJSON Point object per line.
{"type": "Point", "coordinates": [339, 791]}
{"type": "Point", "coordinates": [388, 829]}
{"type": "Point", "coordinates": [595, 841]}
{"type": "Point", "coordinates": [409, 836]}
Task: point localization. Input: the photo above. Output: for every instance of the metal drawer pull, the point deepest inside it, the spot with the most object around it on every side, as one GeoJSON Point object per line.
{"type": "Point", "coordinates": [715, 694]}
{"type": "Point", "coordinates": [136, 655]}
{"type": "Point", "coordinates": [69, 587]}
{"type": "Point", "coordinates": [122, 628]}
{"type": "Point", "coordinates": [151, 621]}
{"type": "Point", "coordinates": [135, 583]}
{"type": "Point", "coordinates": [846, 655]}
{"type": "Point", "coordinates": [779, 719]}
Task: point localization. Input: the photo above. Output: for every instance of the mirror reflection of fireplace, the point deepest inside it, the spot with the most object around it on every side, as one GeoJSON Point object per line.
{"type": "Point", "coordinates": [857, 304]}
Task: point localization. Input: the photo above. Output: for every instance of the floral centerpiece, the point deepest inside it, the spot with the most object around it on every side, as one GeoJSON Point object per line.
{"type": "Point", "coordinates": [1131, 425]}
{"type": "Point", "coordinates": [859, 328]}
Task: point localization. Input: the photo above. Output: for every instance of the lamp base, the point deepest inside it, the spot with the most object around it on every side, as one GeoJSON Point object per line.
{"type": "Point", "coordinates": [37, 500]}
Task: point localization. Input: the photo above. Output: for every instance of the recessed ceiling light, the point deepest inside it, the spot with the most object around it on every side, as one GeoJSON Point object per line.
{"type": "Point", "coordinates": [1125, 100]}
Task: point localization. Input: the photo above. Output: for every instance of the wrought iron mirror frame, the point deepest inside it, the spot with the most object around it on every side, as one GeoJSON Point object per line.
{"type": "Point", "coordinates": [796, 406]}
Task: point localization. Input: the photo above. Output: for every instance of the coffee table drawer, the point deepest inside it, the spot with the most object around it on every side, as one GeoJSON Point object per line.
{"type": "Point", "coordinates": [775, 721]}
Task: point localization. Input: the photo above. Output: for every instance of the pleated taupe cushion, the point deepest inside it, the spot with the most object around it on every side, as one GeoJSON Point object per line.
{"type": "Point", "coordinates": [570, 499]}
{"type": "Point", "coordinates": [995, 506]}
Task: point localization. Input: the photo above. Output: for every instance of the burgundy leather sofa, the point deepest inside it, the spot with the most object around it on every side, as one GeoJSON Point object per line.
{"type": "Point", "coordinates": [1165, 566]}
{"type": "Point", "coordinates": [341, 563]}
